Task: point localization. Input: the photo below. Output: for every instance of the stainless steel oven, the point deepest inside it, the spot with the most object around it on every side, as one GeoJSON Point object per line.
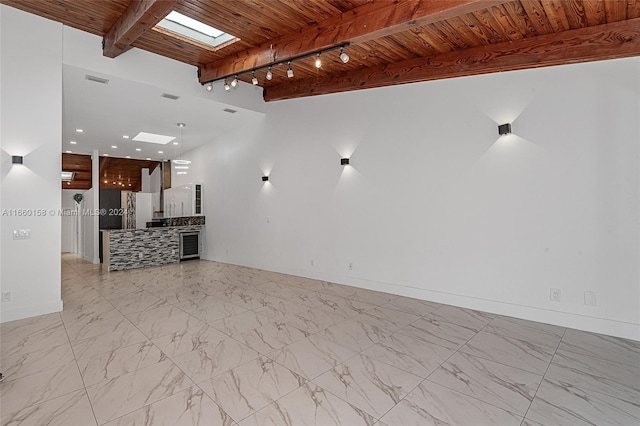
{"type": "Point", "coordinates": [189, 245]}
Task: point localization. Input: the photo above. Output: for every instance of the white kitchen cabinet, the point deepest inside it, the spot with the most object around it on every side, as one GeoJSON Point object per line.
{"type": "Point", "coordinates": [183, 200]}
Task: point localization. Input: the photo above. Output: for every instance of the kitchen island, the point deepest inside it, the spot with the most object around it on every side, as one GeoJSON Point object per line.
{"type": "Point", "coordinates": [140, 248]}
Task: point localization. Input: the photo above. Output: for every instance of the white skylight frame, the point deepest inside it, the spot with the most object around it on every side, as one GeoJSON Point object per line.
{"type": "Point", "coordinates": [194, 30]}
{"type": "Point", "coordinates": [153, 138]}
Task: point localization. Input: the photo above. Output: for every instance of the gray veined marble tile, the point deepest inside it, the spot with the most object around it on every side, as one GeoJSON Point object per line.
{"type": "Point", "coordinates": [410, 353]}
{"type": "Point", "coordinates": [309, 405]}
{"type": "Point", "coordinates": [468, 318]}
{"type": "Point", "coordinates": [600, 346]}
{"type": "Point", "coordinates": [535, 332]}
{"type": "Point", "coordinates": [510, 351]}
{"type": "Point", "coordinates": [70, 409]}
{"type": "Point", "coordinates": [386, 318]}
{"type": "Point", "coordinates": [191, 339]}
{"type": "Point", "coordinates": [432, 404]}
{"type": "Point", "coordinates": [217, 311]}
{"type": "Point", "coordinates": [32, 334]}
{"type": "Point", "coordinates": [412, 306]}
{"type": "Point", "coordinates": [162, 321]}
{"type": "Point", "coordinates": [246, 389]}
{"type": "Point", "coordinates": [356, 335]}
{"type": "Point", "coordinates": [312, 356]}
{"type": "Point", "coordinates": [191, 304]}
{"type": "Point", "coordinates": [281, 310]}
{"type": "Point", "coordinates": [123, 394]}
{"type": "Point", "coordinates": [372, 297]}
{"type": "Point", "coordinates": [107, 342]}
{"type": "Point", "coordinates": [561, 404]}
{"type": "Point", "coordinates": [119, 361]}
{"type": "Point", "coordinates": [315, 319]}
{"type": "Point", "coordinates": [505, 387]}
{"type": "Point", "coordinates": [110, 322]}
{"type": "Point", "coordinates": [39, 387]}
{"type": "Point", "coordinates": [590, 382]}
{"type": "Point", "coordinates": [439, 332]}
{"type": "Point", "coordinates": [214, 359]}
{"type": "Point", "coordinates": [370, 385]}
{"type": "Point", "coordinates": [137, 301]}
{"type": "Point", "coordinates": [271, 337]}
{"type": "Point", "coordinates": [241, 323]}
{"type": "Point", "coordinates": [24, 364]}
{"type": "Point", "coordinates": [624, 374]}
{"type": "Point", "coordinates": [190, 407]}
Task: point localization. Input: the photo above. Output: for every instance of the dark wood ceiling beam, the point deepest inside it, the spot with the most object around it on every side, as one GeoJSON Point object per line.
{"type": "Point", "coordinates": [610, 41]}
{"type": "Point", "coordinates": [140, 16]}
{"type": "Point", "coordinates": [370, 21]}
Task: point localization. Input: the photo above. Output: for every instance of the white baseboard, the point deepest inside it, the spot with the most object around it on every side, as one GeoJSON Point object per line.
{"type": "Point", "coordinates": [564, 319]}
{"type": "Point", "coordinates": [27, 311]}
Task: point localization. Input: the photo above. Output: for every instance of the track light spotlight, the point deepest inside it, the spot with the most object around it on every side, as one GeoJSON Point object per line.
{"type": "Point", "coordinates": [290, 70]}
{"type": "Point", "coordinates": [234, 82]}
{"type": "Point", "coordinates": [226, 85]}
{"type": "Point", "coordinates": [343, 56]}
{"type": "Point", "coordinates": [318, 61]}
{"type": "Point", "coordinates": [269, 74]}
{"type": "Point", "coordinates": [209, 87]}
{"type": "Point", "coordinates": [254, 79]}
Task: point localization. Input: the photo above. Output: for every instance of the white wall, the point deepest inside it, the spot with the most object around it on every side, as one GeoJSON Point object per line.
{"type": "Point", "coordinates": [89, 224]}
{"type": "Point", "coordinates": [435, 205]}
{"type": "Point", "coordinates": [31, 117]}
{"type": "Point", "coordinates": [71, 222]}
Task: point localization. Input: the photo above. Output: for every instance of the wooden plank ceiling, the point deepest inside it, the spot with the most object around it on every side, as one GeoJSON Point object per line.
{"type": "Point", "coordinates": [115, 173]}
{"type": "Point", "coordinates": [388, 42]}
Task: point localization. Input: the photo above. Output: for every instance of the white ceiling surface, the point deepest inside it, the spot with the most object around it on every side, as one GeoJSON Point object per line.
{"type": "Point", "coordinates": [106, 112]}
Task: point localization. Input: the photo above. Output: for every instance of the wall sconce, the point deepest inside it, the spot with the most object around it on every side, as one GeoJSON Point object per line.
{"type": "Point", "coordinates": [504, 129]}
{"type": "Point", "coordinates": [16, 159]}
{"type": "Point", "coordinates": [265, 178]}
{"type": "Point", "coordinates": [344, 161]}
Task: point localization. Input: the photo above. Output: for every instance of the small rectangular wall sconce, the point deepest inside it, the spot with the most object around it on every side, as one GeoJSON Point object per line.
{"type": "Point", "coordinates": [16, 159]}
{"type": "Point", "coordinates": [504, 129]}
{"type": "Point", "coordinates": [265, 178]}
{"type": "Point", "coordinates": [344, 161]}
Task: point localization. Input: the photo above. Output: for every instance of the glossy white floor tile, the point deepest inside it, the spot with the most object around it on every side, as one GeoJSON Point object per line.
{"type": "Point", "coordinates": [205, 343]}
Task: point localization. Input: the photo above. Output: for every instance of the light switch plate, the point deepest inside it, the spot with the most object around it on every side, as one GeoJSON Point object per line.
{"type": "Point", "coordinates": [22, 234]}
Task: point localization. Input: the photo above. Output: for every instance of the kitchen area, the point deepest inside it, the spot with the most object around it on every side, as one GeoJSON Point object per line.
{"type": "Point", "coordinates": [143, 221]}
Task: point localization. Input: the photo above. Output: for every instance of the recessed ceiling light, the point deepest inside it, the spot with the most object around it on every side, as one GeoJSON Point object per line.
{"type": "Point", "coordinates": [175, 143]}
{"type": "Point", "coordinates": [125, 136]}
{"type": "Point", "coordinates": [73, 142]}
{"type": "Point", "coordinates": [105, 155]}
{"type": "Point", "coordinates": [181, 162]}
{"type": "Point", "coordinates": [138, 149]}
{"type": "Point", "coordinates": [68, 152]}
{"type": "Point", "coordinates": [153, 138]}
{"type": "Point", "coordinates": [181, 173]}
{"type": "Point", "coordinates": [114, 146]}
{"type": "Point", "coordinates": [79, 130]}
{"type": "Point", "coordinates": [160, 152]}
{"type": "Point", "coordinates": [127, 156]}
{"type": "Point", "coordinates": [148, 158]}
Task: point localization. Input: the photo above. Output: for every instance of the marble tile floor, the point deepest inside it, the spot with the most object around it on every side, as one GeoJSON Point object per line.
{"type": "Point", "coordinates": [204, 343]}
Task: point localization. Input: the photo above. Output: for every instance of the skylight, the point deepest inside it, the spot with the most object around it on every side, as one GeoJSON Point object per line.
{"type": "Point", "coordinates": [194, 30]}
{"type": "Point", "coordinates": [153, 138]}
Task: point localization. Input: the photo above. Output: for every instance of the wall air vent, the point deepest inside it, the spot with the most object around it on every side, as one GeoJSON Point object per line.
{"type": "Point", "coordinates": [170, 96]}
{"type": "Point", "coordinates": [230, 111]}
{"type": "Point", "coordinates": [96, 79]}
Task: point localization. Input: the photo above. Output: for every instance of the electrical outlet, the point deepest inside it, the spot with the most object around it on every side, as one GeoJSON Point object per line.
{"type": "Point", "coordinates": [6, 296]}
{"type": "Point", "coordinates": [555, 295]}
{"type": "Point", "coordinates": [351, 266]}
{"type": "Point", "coordinates": [590, 298]}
